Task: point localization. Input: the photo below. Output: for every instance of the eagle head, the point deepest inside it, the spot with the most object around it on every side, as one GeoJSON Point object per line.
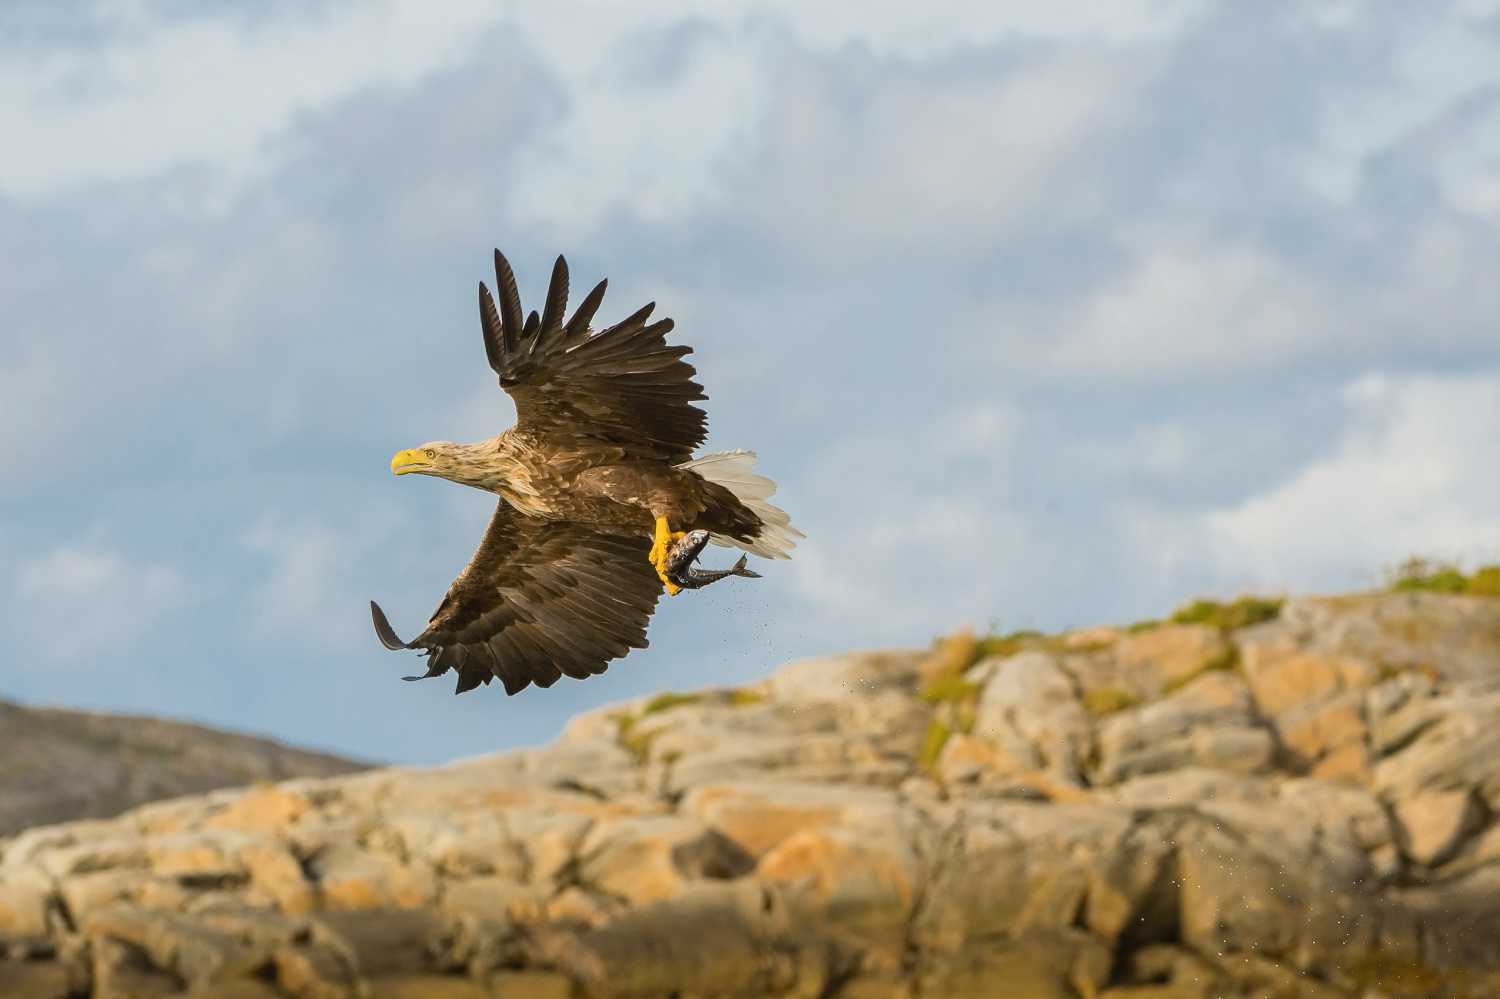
{"type": "Point", "coordinates": [436, 458]}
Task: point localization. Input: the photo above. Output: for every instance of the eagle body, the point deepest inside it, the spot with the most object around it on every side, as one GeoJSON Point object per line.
{"type": "Point", "coordinates": [569, 571]}
{"type": "Point", "coordinates": [599, 484]}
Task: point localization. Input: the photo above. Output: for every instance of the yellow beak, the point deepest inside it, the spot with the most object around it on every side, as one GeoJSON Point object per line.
{"type": "Point", "coordinates": [410, 461]}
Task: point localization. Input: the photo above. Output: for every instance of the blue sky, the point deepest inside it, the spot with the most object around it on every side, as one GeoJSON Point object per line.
{"type": "Point", "coordinates": [1042, 314]}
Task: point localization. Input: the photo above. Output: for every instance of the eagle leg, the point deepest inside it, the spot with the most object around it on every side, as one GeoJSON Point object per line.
{"type": "Point", "coordinates": [659, 550]}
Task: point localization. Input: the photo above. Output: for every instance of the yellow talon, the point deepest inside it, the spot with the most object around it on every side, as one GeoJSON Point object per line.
{"type": "Point", "coordinates": [664, 539]}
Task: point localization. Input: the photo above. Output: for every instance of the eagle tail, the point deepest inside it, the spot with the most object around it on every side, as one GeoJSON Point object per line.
{"type": "Point", "coordinates": [733, 471]}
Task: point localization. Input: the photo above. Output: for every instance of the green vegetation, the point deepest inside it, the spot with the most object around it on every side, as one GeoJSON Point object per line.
{"type": "Point", "coordinates": [1007, 645]}
{"type": "Point", "coordinates": [937, 737]}
{"type": "Point", "coordinates": [1420, 574]}
{"type": "Point", "coordinates": [668, 699]}
{"type": "Point", "coordinates": [954, 654]}
{"type": "Point", "coordinates": [742, 696]}
{"type": "Point", "coordinates": [1485, 582]}
{"type": "Point", "coordinates": [948, 688]}
{"type": "Point", "coordinates": [1232, 616]}
{"type": "Point", "coordinates": [1108, 700]}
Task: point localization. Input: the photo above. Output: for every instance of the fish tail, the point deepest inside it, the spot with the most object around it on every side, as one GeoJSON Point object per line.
{"type": "Point", "coordinates": [740, 570]}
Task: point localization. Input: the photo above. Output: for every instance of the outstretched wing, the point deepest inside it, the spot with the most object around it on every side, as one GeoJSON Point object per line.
{"type": "Point", "coordinates": [539, 599]}
{"type": "Point", "coordinates": [622, 386]}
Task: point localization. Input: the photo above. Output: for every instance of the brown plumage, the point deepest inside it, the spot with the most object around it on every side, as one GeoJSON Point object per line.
{"type": "Point", "coordinates": [595, 469]}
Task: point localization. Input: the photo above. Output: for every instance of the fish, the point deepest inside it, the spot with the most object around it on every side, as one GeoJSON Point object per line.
{"type": "Point", "coordinates": [685, 551]}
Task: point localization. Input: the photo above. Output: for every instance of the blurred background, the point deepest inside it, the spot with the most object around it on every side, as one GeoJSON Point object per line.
{"type": "Point", "coordinates": [1041, 313]}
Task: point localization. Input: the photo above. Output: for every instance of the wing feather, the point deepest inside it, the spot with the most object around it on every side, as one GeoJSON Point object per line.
{"type": "Point", "coordinates": [510, 303]}
{"type": "Point", "coordinates": [557, 299]}
{"type": "Point", "coordinates": [540, 600]}
{"type": "Point", "coordinates": [623, 386]}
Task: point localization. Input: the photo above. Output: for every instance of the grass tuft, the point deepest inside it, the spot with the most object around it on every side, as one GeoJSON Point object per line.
{"type": "Point", "coordinates": [1232, 616]}
{"type": "Point", "coordinates": [667, 700]}
{"type": "Point", "coordinates": [1108, 700]}
{"type": "Point", "coordinates": [1425, 575]}
{"type": "Point", "coordinates": [948, 688]}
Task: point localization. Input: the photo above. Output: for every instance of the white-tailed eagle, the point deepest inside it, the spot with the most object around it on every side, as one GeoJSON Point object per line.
{"type": "Point", "coordinates": [596, 482]}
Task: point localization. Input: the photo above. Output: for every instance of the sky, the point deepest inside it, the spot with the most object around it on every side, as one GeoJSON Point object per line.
{"type": "Point", "coordinates": [1041, 314]}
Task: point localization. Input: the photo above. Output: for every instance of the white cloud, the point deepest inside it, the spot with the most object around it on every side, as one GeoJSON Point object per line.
{"type": "Point", "coordinates": [85, 603]}
{"type": "Point", "coordinates": [1221, 307]}
{"type": "Point", "coordinates": [907, 160]}
{"type": "Point", "coordinates": [1415, 475]}
{"type": "Point", "coordinates": [155, 94]}
{"type": "Point", "coordinates": [136, 96]}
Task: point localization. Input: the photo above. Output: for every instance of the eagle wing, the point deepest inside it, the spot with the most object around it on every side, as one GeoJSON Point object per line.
{"type": "Point", "coordinates": [622, 386]}
{"type": "Point", "coordinates": [538, 600]}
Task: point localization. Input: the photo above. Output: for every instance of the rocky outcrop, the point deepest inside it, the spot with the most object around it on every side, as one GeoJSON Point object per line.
{"type": "Point", "coordinates": [59, 765]}
{"type": "Point", "coordinates": [1299, 808]}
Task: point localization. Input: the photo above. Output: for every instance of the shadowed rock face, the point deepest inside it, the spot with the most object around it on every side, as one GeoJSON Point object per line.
{"type": "Point", "coordinates": [1304, 808]}
{"type": "Point", "coordinates": [60, 765]}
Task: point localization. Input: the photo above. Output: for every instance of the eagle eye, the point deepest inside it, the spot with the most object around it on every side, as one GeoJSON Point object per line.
{"type": "Point", "coordinates": [431, 453]}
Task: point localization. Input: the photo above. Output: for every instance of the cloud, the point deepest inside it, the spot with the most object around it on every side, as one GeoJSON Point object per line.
{"type": "Point", "coordinates": [1176, 312]}
{"type": "Point", "coordinates": [863, 159]}
{"type": "Point", "coordinates": [1414, 475]}
{"type": "Point", "coordinates": [141, 93]}
{"type": "Point", "coordinates": [90, 605]}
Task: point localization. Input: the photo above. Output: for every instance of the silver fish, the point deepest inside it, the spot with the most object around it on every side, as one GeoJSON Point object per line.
{"type": "Point", "coordinates": [685, 551]}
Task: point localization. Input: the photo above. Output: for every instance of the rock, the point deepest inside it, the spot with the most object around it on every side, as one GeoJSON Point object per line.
{"type": "Point", "coordinates": [1188, 787]}
{"type": "Point", "coordinates": [1283, 678]}
{"type": "Point", "coordinates": [530, 985]}
{"type": "Point", "coordinates": [1029, 703]}
{"type": "Point", "coordinates": [1340, 812]}
{"type": "Point", "coordinates": [714, 940]}
{"type": "Point", "coordinates": [856, 853]}
{"type": "Point", "coordinates": [1458, 638]}
{"type": "Point", "coordinates": [427, 987]}
{"type": "Point", "coordinates": [68, 765]}
{"type": "Point", "coordinates": [967, 759]}
{"type": "Point", "coordinates": [1398, 710]}
{"type": "Point", "coordinates": [349, 877]}
{"type": "Point", "coordinates": [1315, 823]}
{"type": "Point", "coordinates": [1208, 722]}
{"type": "Point", "coordinates": [1328, 737]}
{"type": "Point", "coordinates": [183, 949]}
{"type": "Point", "coordinates": [26, 894]}
{"type": "Point", "coordinates": [649, 858]}
{"type": "Point", "coordinates": [1162, 659]}
{"type": "Point", "coordinates": [315, 971]}
{"type": "Point", "coordinates": [1058, 965]}
{"type": "Point", "coordinates": [1007, 869]}
{"type": "Point", "coordinates": [33, 980]}
{"type": "Point", "coordinates": [1434, 824]}
{"type": "Point", "coordinates": [759, 816]}
{"type": "Point", "coordinates": [842, 678]}
{"type": "Point", "coordinates": [497, 899]}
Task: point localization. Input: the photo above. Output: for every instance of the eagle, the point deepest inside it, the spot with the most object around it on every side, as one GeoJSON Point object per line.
{"type": "Point", "coordinates": [596, 482]}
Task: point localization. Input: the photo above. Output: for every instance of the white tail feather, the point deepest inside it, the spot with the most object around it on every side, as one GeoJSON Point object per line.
{"type": "Point", "coordinates": [732, 470]}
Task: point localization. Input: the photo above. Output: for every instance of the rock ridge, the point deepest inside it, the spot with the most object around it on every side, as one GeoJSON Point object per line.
{"type": "Point", "coordinates": [1295, 807]}
{"type": "Point", "coordinates": [57, 765]}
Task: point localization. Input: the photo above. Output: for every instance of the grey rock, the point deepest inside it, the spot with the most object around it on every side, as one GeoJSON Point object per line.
{"type": "Point", "coordinates": [57, 766]}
